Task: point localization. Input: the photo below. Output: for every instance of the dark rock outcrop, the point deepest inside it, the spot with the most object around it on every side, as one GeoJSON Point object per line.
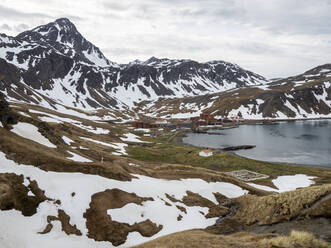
{"type": "Point", "coordinates": [100, 225]}
{"type": "Point", "coordinates": [235, 148]}
{"type": "Point", "coordinates": [7, 117]}
{"type": "Point", "coordinates": [14, 194]}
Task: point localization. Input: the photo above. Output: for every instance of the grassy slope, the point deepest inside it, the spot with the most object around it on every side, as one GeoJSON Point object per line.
{"type": "Point", "coordinates": [162, 151]}
{"type": "Point", "coordinates": [165, 151]}
{"type": "Point", "coordinates": [199, 238]}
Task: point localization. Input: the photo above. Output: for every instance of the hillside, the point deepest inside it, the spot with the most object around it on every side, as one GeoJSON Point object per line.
{"type": "Point", "coordinates": [75, 180]}
{"type": "Point", "coordinates": [307, 95]}
{"type": "Point", "coordinates": [75, 172]}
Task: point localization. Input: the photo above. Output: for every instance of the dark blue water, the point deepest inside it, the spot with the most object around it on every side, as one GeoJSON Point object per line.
{"type": "Point", "coordinates": [301, 142]}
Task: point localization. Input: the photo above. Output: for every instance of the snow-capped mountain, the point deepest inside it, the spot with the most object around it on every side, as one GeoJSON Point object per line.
{"type": "Point", "coordinates": [165, 77]}
{"type": "Point", "coordinates": [54, 63]}
{"type": "Point", "coordinates": [307, 95]}
{"type": "Point", "coordinates": [60, 37]}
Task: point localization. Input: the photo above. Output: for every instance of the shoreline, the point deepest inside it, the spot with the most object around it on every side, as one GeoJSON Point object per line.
{"type": "Point", "coordinates": [284, 163]}
{"type": "Point", "coordinates": [267, 121]}
{"type": "Point", "coordinates": [179, 140]}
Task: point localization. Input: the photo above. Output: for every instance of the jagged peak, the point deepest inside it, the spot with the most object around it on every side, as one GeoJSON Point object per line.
{"type": "Point", "coordinates": [154, 61]}
{"type": "Point", "coordinates": [50, 31]}
{"type": "Point", "coordinates": [225, 63]}
{"type": "Point", "coordinates": [135, 62]}
{"type": "Point", "coordinates": [64, 21]}
{"type": "Point", "coordinates": [217, 62]}
{"type": "Point", "coordinates": [65, 25]}
{"type": "Point", "coordinates": [63, 36]}
{"type": "Point", "coordinates": [151, 60]}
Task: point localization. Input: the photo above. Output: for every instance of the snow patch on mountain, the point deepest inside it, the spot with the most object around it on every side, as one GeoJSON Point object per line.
{"type": "Point", "coordinates": [29, 131]}
{"type": "Point", "coordinates": [78, 158]}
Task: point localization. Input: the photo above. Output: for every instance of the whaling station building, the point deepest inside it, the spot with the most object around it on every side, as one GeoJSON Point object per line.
{"type": "Point", "coordinates": [193, 122]}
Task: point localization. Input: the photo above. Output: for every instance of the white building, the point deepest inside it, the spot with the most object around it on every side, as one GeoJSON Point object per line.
{"type": "Point", "coordinates": [206, 153]}
{"type": "Point", "coordinates": [161, 122]}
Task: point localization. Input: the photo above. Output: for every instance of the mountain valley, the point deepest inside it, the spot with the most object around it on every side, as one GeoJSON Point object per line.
{"type": "Point", "coordinates": [91, 151]}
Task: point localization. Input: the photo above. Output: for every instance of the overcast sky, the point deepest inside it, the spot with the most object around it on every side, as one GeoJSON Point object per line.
{"type": "Point", "coordinates": [275, 38]}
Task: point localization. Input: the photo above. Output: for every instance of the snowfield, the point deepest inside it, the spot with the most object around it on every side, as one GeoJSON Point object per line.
{"type": "Point", "coordinates": [130, 137]}
{"type": "Point", "coordinates": [78, 158]}
{"type": "Point", "coordinates": [61, 185]}
{"type": "Point", "coordinates": [120, 147]}
{"type": "Point", "coordinates": [57, 119]}
{"type": "Point", "coordinates": [287, 183]}
{"type": "Point", "coordinates": [21, 231]}
{"type": "Point", "coordinates": [67, 140]}
{"type": "Point", "coordinates": [29, 131]}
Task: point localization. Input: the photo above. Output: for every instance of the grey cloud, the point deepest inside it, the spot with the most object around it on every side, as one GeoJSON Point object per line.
{"type": "Point", "coordinates": [255, 48]}
{"type": "Point", "coordinates": [21, 27]}
{"type": "Point", "coordinates": [73, 18]}
{"type": "Point", "coordinates": [290, 17]}
{"type": "Point", "coordinates": [116, 6]}
{"type": "Point", "coordinates": [191, 12]}
{"type": "Point", "coordinates": [159, 46]}
{"type": "Point", "coordinates": [124, 51]}
{"type": "Point", "coordinates": [255, 32]}
{"type": "Point", "coordinates": [281, 17]}
{"type": "Point", "coordinates": [147, 11]}
{"type": "Point", "coordinates": [110, 15]}
{"type": "Point", "coordinates": [5, 27]}
{"type": "Point", "coordinates": [13, 13]}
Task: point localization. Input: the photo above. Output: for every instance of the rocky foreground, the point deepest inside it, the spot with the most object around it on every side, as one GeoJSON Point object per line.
{"type": "Point", "coordinates": [292, 219]}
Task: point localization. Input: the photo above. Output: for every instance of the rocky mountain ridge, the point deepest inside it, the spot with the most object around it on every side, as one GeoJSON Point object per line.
{"type": "Point", "coordinates": [54, 64]}
{"type": "Point", "coordinates": [307, 95]}
{"type": "Point", "coordinates": [56, 61]}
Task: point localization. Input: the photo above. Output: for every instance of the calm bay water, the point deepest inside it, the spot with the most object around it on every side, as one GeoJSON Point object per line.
{"type": "Point", "coordinates": [302, 142]}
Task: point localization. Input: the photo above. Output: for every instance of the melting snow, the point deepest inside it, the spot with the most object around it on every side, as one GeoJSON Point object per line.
{"type": "Point", "coordinates": [120, 147]}
{"type": "Point", "coordinates": [67, 140]}
{"type": "Point", "coordinates": [287, 183]}
{"type": "Point", "coordinates": [95, 59]}
{"type": "Point", "coordinates": [78, 158]}
{"type": "Point", "coordinates": [20, 231]}
{"type": "Point", "coordinates": [146, 130]}
{"type": "Point", "coordinates": [49, 119]}
{"type": "Point", "coordinates": [29, 131]}
{"type": "Point", "coordinates": [130, 137]}
{"type": "Point", "coordinates": [24, 114]}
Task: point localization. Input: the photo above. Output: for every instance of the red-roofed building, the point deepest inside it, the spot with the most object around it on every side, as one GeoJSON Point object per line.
{"type": "Point", "coordinates": [206, 153]}
{"type": "Point", "coordinates": [161, 122]}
